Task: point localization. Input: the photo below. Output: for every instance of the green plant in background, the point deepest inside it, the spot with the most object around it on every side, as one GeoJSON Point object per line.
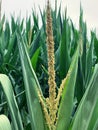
{"type": "Point", "coordinates": [76, 66]}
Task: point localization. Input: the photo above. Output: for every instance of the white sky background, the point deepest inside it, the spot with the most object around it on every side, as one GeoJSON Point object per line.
{"type": "Point", "coordinates": [90, 9]}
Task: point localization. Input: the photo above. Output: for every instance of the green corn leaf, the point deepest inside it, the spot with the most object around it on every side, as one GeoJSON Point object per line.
{"type": "Point", "coordinates": [75, 37]}
{"type": "Point", "coordinates": [96, 47]}
{"type": "Point", "coordinates": [80, 83]}
{"type": "Point", "coordinates": [32, 87]}
{"type": "Point", "coordinates": [13, 24]}
{"type": "Point", "coordinates": [34, 59]}
{"type": "Point", "coordinates": [22, 24]}
{"type": "Point", "coordinates": [81, 19]}
{"type": "Point", "coordinates": [7, 34]}
{"type": "Point", "coordinates": [79, 90]}
{"type": "Point", "coordinates": [66, 104]}
{"type": "Point", "coordinates": [86, 108]}
{"type": "Point", "coordinates": [57, 58]}
{"type": "Point", "coordinates": [96, 125]}
{"type": "Point", "coordinates": [35, 44]}
{"type": "Point", "coordinates": [60, 19]}
{"type": "Point", "coordinates": [14, 59]}
{"type": "Point", "coordinates": [43, 46]}
{"type": "Point", "coordinates": [1, 24]}
{"type": "Point", "coordinates": [57, 30]}
{"type": "Point", "coordinates": [89, 61]}
{"type": "Point", "coordinates": [35, 20]}
{"type": "Point", "coordinates": [4, 123]}
{"type": "Point", "coordinates": [42, 14]}
{"type": "Point", "coordinates": [64, 52]}
{"type": "Point", "coordinates": [94, 120]}
{"type": "Point", "coordinates": [83, 57]}
{"type": "Point", "coordinates": [28, 27]}
{"type": "Point", "coordinates": [9, 49]}
{"type": "Point", "coordinates": [10, 97]}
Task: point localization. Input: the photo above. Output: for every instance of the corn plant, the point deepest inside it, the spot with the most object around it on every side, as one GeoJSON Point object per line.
{"type": "Point", "coordinates": [55, 112]}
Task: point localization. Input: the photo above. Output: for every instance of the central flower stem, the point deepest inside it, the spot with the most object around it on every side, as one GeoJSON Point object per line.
{"type": "Point", "coordinates": [51, 67]}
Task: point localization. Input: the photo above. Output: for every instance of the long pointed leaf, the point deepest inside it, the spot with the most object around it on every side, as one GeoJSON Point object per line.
{"type": "Point", "coordinates": [64, 53]}
{"type": "Point", "coordinates": [87, 105]}
{"type": "Point", "coordinates": [10, 97]}
{"type": "Point", "coordinates": [66, 104]}
{"type": "Point", "coordinates": [89, 61]}
{"type": "Point", "coordinates": [31, 86]}
{"type": "Point", "coordinates": [94, 120]}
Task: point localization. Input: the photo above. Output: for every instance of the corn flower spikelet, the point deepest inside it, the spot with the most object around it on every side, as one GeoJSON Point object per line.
{"type": "Point", "coordinates": [50, 105]}
{"type": "Point", "coordinates": [51, 64]}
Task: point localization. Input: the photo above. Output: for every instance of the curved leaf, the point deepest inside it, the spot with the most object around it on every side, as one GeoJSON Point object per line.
{"type": "Point", "coordinates": [64, 52]}
{"type": "Point", "coordinates": [4, 123]}
{"type": "Point", "coordinates": [66, 104]}
{"type": "Point", "coordinates": [32, 87]}
{"type": "Point", "coordinates": [10, 97]}
{"type": "Point", "coordinates": [85, 111]}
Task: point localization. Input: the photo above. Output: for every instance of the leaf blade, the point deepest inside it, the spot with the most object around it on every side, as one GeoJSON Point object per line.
{"type": "Point", "coordinates": [10, 97]}
{"type": "Point", "coordinates": [32, 87]}
{"type": "Point", "coordinates": [87, 105]}
{"type": "Point", "coordinates": [66, 103]}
